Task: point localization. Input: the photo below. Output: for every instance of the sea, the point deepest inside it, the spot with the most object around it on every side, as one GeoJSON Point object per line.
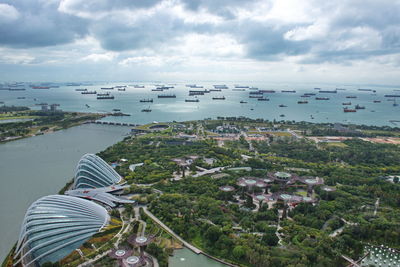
{"type": "Point", "coordinates": [381, 112]}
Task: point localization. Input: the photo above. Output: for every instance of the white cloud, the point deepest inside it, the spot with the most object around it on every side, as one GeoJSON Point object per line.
{"type": "Point", "coordinates": [109, 56]}
{"type": "Point", "coordinates": [8, 13]}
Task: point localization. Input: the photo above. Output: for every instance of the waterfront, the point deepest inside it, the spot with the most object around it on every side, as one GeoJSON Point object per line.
{"type": "Point", "coordinates": [42, 165]}
{"type": "Point", "coordinates": [170, 109]}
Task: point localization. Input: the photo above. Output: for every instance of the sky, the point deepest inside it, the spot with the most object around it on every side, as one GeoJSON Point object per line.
{"type": "Point", "coordinates": [277, 41]}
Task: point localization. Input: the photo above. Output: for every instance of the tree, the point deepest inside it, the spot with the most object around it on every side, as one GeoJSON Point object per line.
{"type": "Point", "coordinates": [239, 252]}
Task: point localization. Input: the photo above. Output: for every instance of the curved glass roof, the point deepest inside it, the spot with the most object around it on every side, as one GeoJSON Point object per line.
{"type": "Point", "coordinates": [54, 226]}
{"type": "Point", "coordinates": [93, 172]}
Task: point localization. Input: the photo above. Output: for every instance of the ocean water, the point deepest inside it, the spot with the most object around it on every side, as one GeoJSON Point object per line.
{"type": "Point", "coordinates": [170, 109]}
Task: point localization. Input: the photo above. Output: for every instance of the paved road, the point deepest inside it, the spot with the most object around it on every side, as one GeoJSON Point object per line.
{"type": "Point", "coordinates": [169, 230]}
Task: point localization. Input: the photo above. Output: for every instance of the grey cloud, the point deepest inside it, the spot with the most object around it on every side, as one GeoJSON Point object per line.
{"type": "Point", "coordinates": [40, 25]}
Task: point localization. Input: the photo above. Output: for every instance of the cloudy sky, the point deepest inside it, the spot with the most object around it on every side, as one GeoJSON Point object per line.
{"type": "Point", "coordinates": [338, 41]}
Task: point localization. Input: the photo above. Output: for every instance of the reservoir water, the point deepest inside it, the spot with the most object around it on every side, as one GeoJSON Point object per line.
{"type": "Point", "coordinates": [185, 257]}
{"type": "Point", "coordinates": [34, 167]}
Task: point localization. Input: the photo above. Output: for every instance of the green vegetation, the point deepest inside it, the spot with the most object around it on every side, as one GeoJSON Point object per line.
{"type": "Point", "coordinates": [212, 220]}
{"type": "Point", "coordinates": [29, 122]}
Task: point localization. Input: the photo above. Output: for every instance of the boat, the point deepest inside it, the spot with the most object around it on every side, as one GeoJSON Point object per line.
{"type": "Point", "coordinates": [192, 100]}
{"type": "Point", "coordinates": [392, 95]}
{"type": "Point", "coordinates": [87, 105]}
{"type": "Point", "coordinates": [116, 109]}
{"type": "Point", "coordinates": [282, 115]}
{"type": "Point", "coordinates": [80, 89]}
{"type": "Point", "coordinates": [146, 110]}
{"type": "Point", "coordinates": [288, 91]}
{"type": "Point", "coordinates": [253, 88]}
{"type": "Point", "coordinates": [40, 87]}
{"type": "Point", "coordinates": [302, 102]}
{"type": "Point", "coordinates": [107, 88]}
{"type": "Point", "coordinates": [89, 92]}
{"type": "Point", "coordinates": [328, 91]}
{"type": "Point", "coordinates": [282, 106]}
{"type": "Point", "coordinates": [359, 107]}
{"type": "Point", "coordinates": [267, 91]}
{"type": "Point", "coordinates": [377, 101]}
{"type": "Point", "coordinates": [351, 96]}
{"type": "Point", "coordinates": [317, 88]}
{"type": "Point", "coordinates": [21, 97]}
{"type": "Point", "coordinates": [322, 98]}
{"type": "Point", "coordinates": [220, 86]}
{"type": "Point", "coordinates": [167, 96]}
{"type": "Point", "coordinates": [262, 99]}
{"type": "Point", "coordinates": [146, 100]}
{"type": "Point", "coordinates": [394, 103]}
{"type": "Point", "coordinates": [105, 97]}
{"type": "Point", "coordinates": [367, 90]}
{"type": "Point", "coordinates": [346, 103]}
{"type": "Point", "coordinates": [105, 94]}
{"type": "Point", "coordinates": [218, 98]}
{"type": "Point", "coordinates": [122, 89]}
{"type": "Point", "coordinates": [243, 102]}
{"type": "Point", "coordinates": [349, 110]}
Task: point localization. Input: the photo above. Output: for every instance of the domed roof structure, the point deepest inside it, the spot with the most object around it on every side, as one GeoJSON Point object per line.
{"type": "Point", "coordinates": [93, 172]}
{"type": "Point", "coordinates": [54, 226]}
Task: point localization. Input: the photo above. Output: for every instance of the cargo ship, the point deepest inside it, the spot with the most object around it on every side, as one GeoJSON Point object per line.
{"type": "Point", "coordinates": [16, 89]}
{"type": "Point", "coordinates": [377, 101]}
{"type": "Point", "coordinates": [243, 102]}
{"type": "Point", "coordinates": [138, 86]}
{"type": "Point", "coordinates": [105, 97]}
{"type": "Point", "coordinates": [107, 88]}
{"type": "Point", "coordinates": [351, 96]}
{"type": "Point", "coordinates": [349, 110]}
{"type": "Point", "coordinates": [302, 102]}
{"type": "Point", "coordinates": [256, 93]}
{"type": "Point", "coordinates": [288, 91]}
{"type": "Point", "coordinates": [392, 95]}
{"type": "Point", "coordinates": [122, 89]}
{"type": "Point", "coordinates": [267, 91]}
{"type": "Point", "coordinates": [40, 87]}
{"type": "Point", "coordinates": [262, 99]}
{"type": "Point", "coordinates": [89, 92]}
{"type": "Point", "coordinates": [309, 94]}
{"type": "Point", "coordinates": [255, 96]}
{"type": "Point", "coordinates": [305, 96]}
{"type": "Point", "coordinates": [166, 96]}
{"type": "Point", "coordinates": [241, 86]}
{"type": "Point", "coordinates": [282, 106]}
{"type": "Point", "coordinates": [80, 89]}
{"type": "Point", "coordinates": [322, 98]}
{"type": "Point", "coordinates": [192, 100]}
{"type": "Point", "coordinates": [146, 109]}
{"type": "Point", "coordinates": [328, 91]}
{"type": "Point", "coordinates": [238, 89]}
{"type": "Point", "coordinates": [218, 98]}
{"type": "Point", "coordinates": [346, 103]}
{"type": "Point", "coordinates": [215, 90]}
{"type": "Point", "coordinates": [149, 100]}
{"type": "Point", "coordinates": [220, 86]}
{"type": "Point", "coordinates": [359, 107]}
